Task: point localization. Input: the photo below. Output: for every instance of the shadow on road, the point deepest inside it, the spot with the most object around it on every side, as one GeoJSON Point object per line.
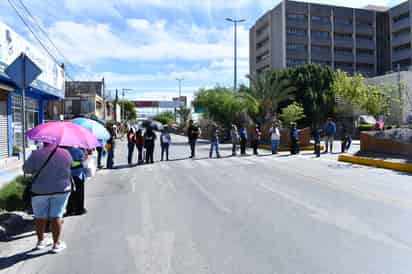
{"type": "Point", "coordinates": [6, 262]}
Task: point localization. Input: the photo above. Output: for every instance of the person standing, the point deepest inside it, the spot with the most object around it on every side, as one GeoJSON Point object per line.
{"type": "Point", "coordinates": [346, 139]}
{"type": "Point", "coordinates": [165, 140]}
{"type": "Point", "coordinates": [294, 136]}
{"type": "Point", "coordinates": [130, 145]}
{"type": "Point", "coordinates": [330, 132]}
{"type": "Point", "coordinates": [139, 140]}
{"type": "Point", "coordinates": [110, 152]}
{"type": "Point", "coordinates": [243, 140]}
{"type": "Point", "coordinates": [275, 138]}
{"type": "Point", "coordinates": [316, 138]}
{"type": "Point", "coordinates": [214, 141]}
{"type": "Point", "coordinates": [50, 191]}
{"type": "Point", "coordinates": [193, 133]}
{"type": "Point", "coordinates": [149, 144]}
{"type": "Point", "coordinates": [99, 150]}
{"type": "Point", "coordinates": [257, 134]}
{"type": "Point", "coordinates": [234, 135]}
{"type": "Point", "coordinates": [75, 204]}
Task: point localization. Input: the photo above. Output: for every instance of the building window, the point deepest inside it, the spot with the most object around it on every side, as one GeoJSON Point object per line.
{"type": "Point", "coordinates": [365, 52]}
{"type": "Point", "coordinates": [401, 17]}
{"type": "Point", "coordinates": [364, 37]}
{"type": "Point", "coordinates": [321, 62]}
{"type": "Point", "coordinates": [341, 36]}
{"type": "Point", "coordinates": [297, 32]}
{"type": "Point", "coordinates": [299, 17]}
{"type": "Point", "coordinates": [342, 51]}
{"type": "Point", "coordinates": [320, 49]}
{"type": "Point", "coordinates": [295, 62]}
{"type": "Point", "coordinates": [343, 21]}
{"type": "Point", "coordinates": [296, 47]}
{"type": "Point", "coordinates": [32, 117]}
{"type": "Point", "coordinates": [320, 34]}
{"type": "Point", "coordinates": [320, 19]}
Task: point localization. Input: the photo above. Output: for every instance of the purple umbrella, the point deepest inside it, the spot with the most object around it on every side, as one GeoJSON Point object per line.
{"type": "Point", "coordinates": [63, 134]}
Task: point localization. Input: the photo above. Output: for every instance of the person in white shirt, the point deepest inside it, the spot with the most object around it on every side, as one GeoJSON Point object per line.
{"type": "Point", "coordinates": [274, 138]}
{"type": "Point", "coordinates": [165, 143]}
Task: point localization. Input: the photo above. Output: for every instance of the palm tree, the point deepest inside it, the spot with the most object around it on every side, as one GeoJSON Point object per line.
{"type": "Point", "coordinates": [270, 90]}
{"type": "Point", "coordinates": [184, 114]}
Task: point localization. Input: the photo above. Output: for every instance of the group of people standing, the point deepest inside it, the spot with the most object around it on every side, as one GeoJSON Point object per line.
{"type": "Point", "coordinates": [145, 145]}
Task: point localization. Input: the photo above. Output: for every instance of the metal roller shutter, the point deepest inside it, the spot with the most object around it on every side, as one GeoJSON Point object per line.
{"type": "Point", "coordinates": [4, 147]}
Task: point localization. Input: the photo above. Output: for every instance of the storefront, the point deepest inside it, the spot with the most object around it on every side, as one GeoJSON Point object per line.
{"type": "Point", "coordinates": [48, 87]}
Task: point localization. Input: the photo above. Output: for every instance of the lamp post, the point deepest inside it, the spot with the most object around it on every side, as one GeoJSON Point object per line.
{"type": "Point", "coordinates": [235, 23]}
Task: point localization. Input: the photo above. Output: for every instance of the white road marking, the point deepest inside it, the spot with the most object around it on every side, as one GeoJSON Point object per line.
{"type": "Point", "coordinates": [152, 251]}
{"type": "Point", "coordinates": [339, 218]}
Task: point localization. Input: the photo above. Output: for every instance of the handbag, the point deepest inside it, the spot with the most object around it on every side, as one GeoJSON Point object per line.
{"type": "Point", "coordinates": [27, 194]}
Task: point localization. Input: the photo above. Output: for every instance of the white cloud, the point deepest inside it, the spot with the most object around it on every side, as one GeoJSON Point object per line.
{"type": "Point", "coordinates": [144, 40]}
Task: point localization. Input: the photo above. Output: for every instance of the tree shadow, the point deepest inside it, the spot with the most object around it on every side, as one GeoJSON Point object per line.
{"type": "Point", "coordinates": [7, 262]}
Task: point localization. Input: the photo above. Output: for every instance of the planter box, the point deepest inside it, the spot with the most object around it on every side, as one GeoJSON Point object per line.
{"type": "Point", "coordinates": [370, 143]}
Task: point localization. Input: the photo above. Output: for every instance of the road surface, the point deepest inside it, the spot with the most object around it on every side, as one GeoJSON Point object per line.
{"type": "Point", "coordinates": [254, 215]}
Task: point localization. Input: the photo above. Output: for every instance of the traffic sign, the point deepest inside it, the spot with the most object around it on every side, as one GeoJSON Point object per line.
{"type": "Point", "coordinates": [23, 71]}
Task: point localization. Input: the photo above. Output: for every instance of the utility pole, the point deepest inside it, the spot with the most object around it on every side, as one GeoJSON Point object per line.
{"type": "Point", "coordinates": [180, 80]}
{"type": "Point", "coordinates": [235, 23]}
{"type": "Point", "coordinates": [122, 116]}
{"type": "Point", "coordinates": [104, 100]}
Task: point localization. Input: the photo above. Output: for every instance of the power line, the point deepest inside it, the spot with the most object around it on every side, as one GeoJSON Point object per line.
{"type": "Point", "coordinates": [43, 30]}
{"type": "Point", "coordinates": [32, 32]}
{"type": "Point", "coordinates": [36, 37]}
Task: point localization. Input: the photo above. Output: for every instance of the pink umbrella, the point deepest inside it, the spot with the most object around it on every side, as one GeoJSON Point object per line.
{"type": "Point", "coordinates": [63, 134]}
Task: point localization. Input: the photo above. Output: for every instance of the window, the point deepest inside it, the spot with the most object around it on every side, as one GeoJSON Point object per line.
{"type": "Point", "coordinates": [346, 52]}
{"type": "Point", "coordinates": [364, 37]}
{"type": "Point", "coordinates": [320, 34]}
{"type": "Point", "coordinates": [296, 47]}
{"type": "Point", "coordinates": [321, 62]}
{"type": "Point", "coordinates": [320, 19]}
{"type": "Point", "coordinates": [364, 24]}
{"type": "Point", "coordinates": [299, 17]}
{"type": "Point", "coordinates": [320, 49]}
{"type": "Point", "coordinates": [343, 21]}
{"type": "Point", "coordinates": [404, 16]}
{"type": "Point", "coordinates": [365, 52]}
{"type": "Point", "coordinates": [341, 36]}
{"type": "Point", "coordinates": [297, 32]}
{"type": "Point", "coordinates": [32, 117]}
{"type": "Point", "coordinates": [294, 62]}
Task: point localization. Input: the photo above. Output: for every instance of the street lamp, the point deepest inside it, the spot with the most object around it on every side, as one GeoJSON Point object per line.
{"type": "Point", "coordinates": [235, 22]}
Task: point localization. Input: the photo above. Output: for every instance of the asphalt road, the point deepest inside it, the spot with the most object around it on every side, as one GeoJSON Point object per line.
{"type": "Point", "coordinates": [249, 215]}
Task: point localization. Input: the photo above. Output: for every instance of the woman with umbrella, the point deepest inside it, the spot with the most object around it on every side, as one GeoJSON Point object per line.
{"type": "Point", "coordinates": [51, 170]}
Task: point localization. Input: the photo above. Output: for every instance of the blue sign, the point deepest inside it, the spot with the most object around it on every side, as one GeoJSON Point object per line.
{"type": "Point", "coordinates": [23, 71]}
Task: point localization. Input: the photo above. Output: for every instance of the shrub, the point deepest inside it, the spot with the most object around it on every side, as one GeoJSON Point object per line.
{"type": "Point", "coordinates": [11, 195]}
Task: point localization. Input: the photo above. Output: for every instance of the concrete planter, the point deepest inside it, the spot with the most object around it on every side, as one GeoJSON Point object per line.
{"type": "Point", "coordinates": [371, 143]}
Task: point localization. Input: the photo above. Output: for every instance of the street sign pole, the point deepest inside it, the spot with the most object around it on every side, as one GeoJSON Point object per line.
{"type": "Point", "coordinates": [23, 108]}
{"type": "Point", "coordinates": [23, 71]}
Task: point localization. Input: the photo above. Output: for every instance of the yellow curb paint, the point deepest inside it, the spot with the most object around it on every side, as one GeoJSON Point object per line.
{"type": "Point", "coordinates": [405, 167]}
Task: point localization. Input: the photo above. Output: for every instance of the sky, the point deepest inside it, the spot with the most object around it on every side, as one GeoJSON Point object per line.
{"type": "Point", "coordinates": [144, 45]}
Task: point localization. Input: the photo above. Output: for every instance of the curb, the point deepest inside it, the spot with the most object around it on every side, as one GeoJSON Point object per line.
{"type": "Point", "coordinates": [404, 167]}
{"type": "Point", "coordinates": [283, 148]}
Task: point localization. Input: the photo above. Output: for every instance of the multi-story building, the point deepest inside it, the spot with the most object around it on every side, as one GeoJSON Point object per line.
{"type": "Point", "coordinates": [371, 41]}
{"type": "Point", "coordinates": [84, 98]}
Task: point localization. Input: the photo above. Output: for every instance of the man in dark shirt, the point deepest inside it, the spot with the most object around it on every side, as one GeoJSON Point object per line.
{"type": "Point", "coordinates": [193, 133]}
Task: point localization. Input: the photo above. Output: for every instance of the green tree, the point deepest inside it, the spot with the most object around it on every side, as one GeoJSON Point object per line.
{"type": "Point", "coordinates": [351, 89]}
{"type": "Point", "coordinates": [292, 113]}
{"type": "Point", "coordinates": [270, 90]}
{"type": "Point", "coordinates": [129, 110]}
{"type": "Point", "coordinates": [225, 106]}
{"type": "Point", "coordinates": [166, 117]}
{"type": "Point", "coordinates": [379, 100]}
{"type": "Point", "coordinates": [313, 91]}
{"type": "Point", "coordinates": [184, 115]}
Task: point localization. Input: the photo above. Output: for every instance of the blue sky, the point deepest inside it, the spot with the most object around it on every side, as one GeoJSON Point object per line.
{"type": "Point", "coordinates": [146, 44]}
